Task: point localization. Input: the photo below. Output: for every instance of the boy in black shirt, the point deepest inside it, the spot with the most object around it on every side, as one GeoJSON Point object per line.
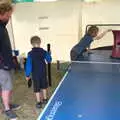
{"type": "Point", "coordinates": [36, 65]}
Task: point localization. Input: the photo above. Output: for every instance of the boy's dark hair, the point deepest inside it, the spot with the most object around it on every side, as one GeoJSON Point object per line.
{"type": "Point", "coordinates": [35, 40]}
{"type": "Point", "coordinates": [91, 29]}
{"type": "Point", "coordinates": [5, 7]}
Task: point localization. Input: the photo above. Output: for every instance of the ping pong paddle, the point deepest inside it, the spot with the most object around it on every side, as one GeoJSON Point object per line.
{"type": "Point", "coordinates": [29, 83]}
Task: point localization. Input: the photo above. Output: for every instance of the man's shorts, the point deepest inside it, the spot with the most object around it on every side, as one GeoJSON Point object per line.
{"type": "Point", "coordinates": [5, 80]}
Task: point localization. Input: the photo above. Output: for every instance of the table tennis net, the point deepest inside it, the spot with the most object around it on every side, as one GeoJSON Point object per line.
{"type": "Point", "coordinates": [91, 66]}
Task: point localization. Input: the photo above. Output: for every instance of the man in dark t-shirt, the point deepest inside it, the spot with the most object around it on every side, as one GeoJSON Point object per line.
{"type": "Point", "coordinates": [6, 63]}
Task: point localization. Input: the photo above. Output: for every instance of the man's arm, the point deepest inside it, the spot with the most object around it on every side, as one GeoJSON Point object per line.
{"type": "Point", "coordinates": [102, 34]}
{"type": "Point", "coordinates": [1, 36]}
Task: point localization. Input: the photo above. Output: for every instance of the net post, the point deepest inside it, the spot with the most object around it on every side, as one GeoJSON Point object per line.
{"type": "Point", "coordinates": [49, 67]}
{"type": "Point", "coordinates": [58, 65]}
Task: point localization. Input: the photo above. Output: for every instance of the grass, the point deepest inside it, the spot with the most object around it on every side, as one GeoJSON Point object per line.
{"type": "Point", "coordinates": [25, 96]}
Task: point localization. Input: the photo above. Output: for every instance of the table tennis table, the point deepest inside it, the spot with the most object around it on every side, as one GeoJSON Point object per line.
{"type": "Point", "coordinates": [90, 90]}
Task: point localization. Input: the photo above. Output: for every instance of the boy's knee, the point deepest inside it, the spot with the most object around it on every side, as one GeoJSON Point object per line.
{"type": "Point", "coordinates": [73, 55]}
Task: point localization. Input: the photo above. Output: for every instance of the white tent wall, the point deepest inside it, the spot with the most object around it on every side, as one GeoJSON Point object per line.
{"type": "Point", "coordinates": [57, 23]}
{"type": "Point", "coordinates": [101, 13]}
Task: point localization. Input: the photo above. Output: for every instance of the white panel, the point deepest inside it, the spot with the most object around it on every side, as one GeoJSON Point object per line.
{"type": "Point", "coordinates": [11, 34]}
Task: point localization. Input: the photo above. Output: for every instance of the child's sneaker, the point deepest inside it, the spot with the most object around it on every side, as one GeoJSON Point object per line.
{"type": "Point", "coordinates": [10, 114]}
{"type": "Point", "coordinates": [39, 105]}
{"type": "Point", "coordinates": [45, 101]}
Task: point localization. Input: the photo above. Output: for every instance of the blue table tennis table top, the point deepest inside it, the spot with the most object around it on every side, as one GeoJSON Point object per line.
{"type": "Point", "coordinates": [88, 91]}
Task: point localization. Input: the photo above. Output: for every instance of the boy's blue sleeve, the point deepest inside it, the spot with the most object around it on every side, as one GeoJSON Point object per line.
{"type": "Point", "coordinates": [28, 68]}
{"type": "Point", "coordinates": [48, 57]}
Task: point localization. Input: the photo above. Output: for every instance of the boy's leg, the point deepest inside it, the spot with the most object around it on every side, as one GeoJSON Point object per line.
{"type": "Point", "coordinates": [73, 55]}
{"type": "Point", "coordinates": [38, 99]}
{"type": "Point", "coordinates": [44, 87]}
{"type": "Point", "coordinates": [44, 93]}
{"type": "Point", "coordinates": [38, 96]}
{"type": "Point", "coordinates": [37, 91]}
